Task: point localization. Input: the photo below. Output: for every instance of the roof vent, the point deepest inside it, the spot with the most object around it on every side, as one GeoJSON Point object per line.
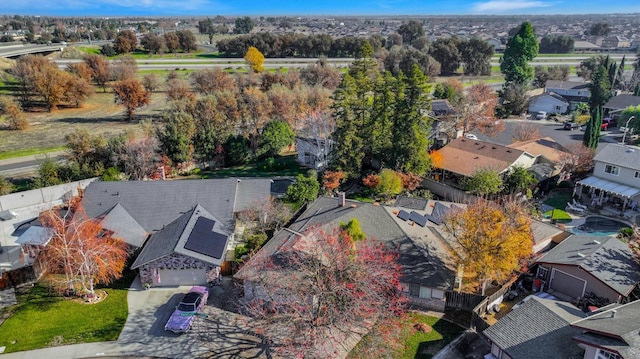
{"type": "Point", "coordinates": [493, 147]}
{"type": "Point", "coordinates": [613, 313]}
{"type": "Point", "coordinates": [581, 255]}
{"type": "Point", "coordinates": [508, 151]}
{"type": "Point", "coordinates": [596, 241]}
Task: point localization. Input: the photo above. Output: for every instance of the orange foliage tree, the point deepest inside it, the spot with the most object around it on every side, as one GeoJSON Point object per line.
{"type": "Point", "coordinates": [331, 180]}
{"type": "Point", "coordinates": [80, 251]}
{"type": "Point", "coordinates": [490, 240]}
{"type": "Point", "coordinates": [131, 94]}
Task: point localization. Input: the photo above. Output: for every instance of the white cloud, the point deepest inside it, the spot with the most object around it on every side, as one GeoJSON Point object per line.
{"type": "Point", "coordinates": [499, 6]}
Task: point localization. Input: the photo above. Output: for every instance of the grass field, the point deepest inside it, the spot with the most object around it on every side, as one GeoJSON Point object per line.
{"type": "Point", "coordinates": [417, 344]}
{"type": "Point", "coordinates": [42, 319]}
{"type": "Point", "coordinates": [99, 115]}
{"type": "Point", "coordinates": [281, 166]}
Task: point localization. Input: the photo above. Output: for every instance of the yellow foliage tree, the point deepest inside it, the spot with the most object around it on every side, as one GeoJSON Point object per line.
{"type": "Point", "coordinates": [255, 59]}
{"type": "Point", "coordinates": [491, 240]}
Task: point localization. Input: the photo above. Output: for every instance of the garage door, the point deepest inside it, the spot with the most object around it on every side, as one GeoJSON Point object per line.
{"type": "Point", "coordinates": [567, 284]}
{"type": "Point", "coordinates": [177, 277]}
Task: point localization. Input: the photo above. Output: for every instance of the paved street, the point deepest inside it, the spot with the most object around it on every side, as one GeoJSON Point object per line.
{"type": "Point", "coordinates": [548, 129]}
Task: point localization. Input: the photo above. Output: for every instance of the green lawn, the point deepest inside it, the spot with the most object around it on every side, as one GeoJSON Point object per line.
{"type": "Point", "coordinates": [30, 152]}
{"type": "Point", "coordinates": [281, 166]}
{"type": "Point", "coordinates": [416, 344]}
{"type": "Point", "coordinates": [42, 319]}
{"type": "Point", "coordinates": [559, 215]}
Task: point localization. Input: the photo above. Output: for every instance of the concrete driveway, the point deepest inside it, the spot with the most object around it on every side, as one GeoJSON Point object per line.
{"type": "Point", "coordinates": [222, 334]}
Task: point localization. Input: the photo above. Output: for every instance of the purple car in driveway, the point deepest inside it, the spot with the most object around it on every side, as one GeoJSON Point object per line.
{"type": "Point", "coordinates": [192, 302]}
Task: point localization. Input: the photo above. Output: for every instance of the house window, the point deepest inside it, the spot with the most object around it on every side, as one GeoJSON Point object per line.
{"type": "Point", "coordinates": [558, 108]}
{"type": "Point", "coordinates": [414, 290]}
{"type": "Point", "coordinates": [542, 272]}
{"type": "Point", "coordinates": [605, 354]}
{"type": "Point", "coordinates": [438, 294]}
{"type": "Point", "coordinates": [614, 170]}
{"type": "Point", "coordinates": [637, 174]}
{"type": "Point", "coordinates": [425, 293]}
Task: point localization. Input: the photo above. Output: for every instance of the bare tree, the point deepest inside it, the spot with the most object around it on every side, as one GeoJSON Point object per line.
{"type": "Point", "coordinates": [525, 132]}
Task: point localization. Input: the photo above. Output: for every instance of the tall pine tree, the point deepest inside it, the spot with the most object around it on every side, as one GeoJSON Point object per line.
{"type": "Point", "coordinates": [600, 88]}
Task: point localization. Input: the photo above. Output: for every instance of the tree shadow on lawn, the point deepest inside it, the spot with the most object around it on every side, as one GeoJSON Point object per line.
{"type": "Point", "coordinates": [37, 296]}
{"type": "Point", "coordinates": [119, 119]}
{"type": "Point", "coordinates": [449, 332]}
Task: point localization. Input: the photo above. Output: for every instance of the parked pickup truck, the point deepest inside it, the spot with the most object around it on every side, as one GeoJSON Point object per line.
{"type": "Point", "coordinates": [192, 303]}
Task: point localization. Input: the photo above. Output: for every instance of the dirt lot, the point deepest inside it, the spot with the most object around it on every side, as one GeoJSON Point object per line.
{"type": "Point", "coordinates": [99, 115]}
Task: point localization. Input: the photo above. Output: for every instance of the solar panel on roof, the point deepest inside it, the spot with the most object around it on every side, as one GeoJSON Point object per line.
{"type": "Point", "coordinates": [433, 219]}
{"type": "Point", "coordinates": [418, 218]}
{"type": "Point", "coordinates": [204, 240]}
{"type": "Point", "coordinates": [403, 215]}
{"type": "Point", "coordinates": [440, 210]}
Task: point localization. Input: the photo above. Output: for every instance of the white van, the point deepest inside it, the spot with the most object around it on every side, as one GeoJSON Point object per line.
{"type": "Point", "coordinates": [541, 115]}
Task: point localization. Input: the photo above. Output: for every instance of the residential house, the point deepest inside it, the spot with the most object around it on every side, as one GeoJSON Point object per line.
{"type": "Point", "coordinates": [615, 177]}
{"type": "Point", "coordinates": [189, 224]}
{"type": "Point", "coordinates": [537, 329]}
{"type": "Point", "coordinates": [611, 334]}
{"type": "Point", "coordinates": [583, 264]}
{"type": "Point", "coordinates": [617, 104]}
{"type": "Point", "coordinates": [548, 102]}
{"type": "Point", "coordinates": [572, 91]}
{"type": "Point", "coordinates": [443, 127]}
{"type": "Point", "coordinates": [314, 152]}
{"type": "Point", "coordinates": [546, 235]}
{"type": "Point", "coordinates": [616, 42]}
{"type": "Point", "coordinates": [549, 156]}
{"type": "Point", "coordinates": [424, 257]}
{"type": "Point", "coordinates": [462, 157]}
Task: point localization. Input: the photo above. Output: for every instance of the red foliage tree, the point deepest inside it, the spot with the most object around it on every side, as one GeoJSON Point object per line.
{"type": "Point", "coordinates": [372, 181]}
{"type": "Point", "coordinates": [331, 180]}
{"type": "Point", "coordinates": [410, 181]}
{"type": "Point", "coordinates": [80, 251]}
{"type": "Point", "coordinates": [321, 291]}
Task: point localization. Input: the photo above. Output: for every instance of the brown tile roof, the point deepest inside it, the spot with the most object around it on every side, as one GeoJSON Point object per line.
{"type": "Point", "coordinates": [545, 146]}
{"type": "Point", "coordinates": [464, 156]}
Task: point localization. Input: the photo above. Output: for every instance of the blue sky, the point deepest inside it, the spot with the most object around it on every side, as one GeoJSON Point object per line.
{"type": "Point", "coordinates": [312, 7]}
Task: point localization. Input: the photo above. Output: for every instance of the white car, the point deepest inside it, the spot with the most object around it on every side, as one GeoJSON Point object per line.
{"type": "Point", "coordinates": [471, 136]}
{"type": "Point", "coordinates": [541, 115]}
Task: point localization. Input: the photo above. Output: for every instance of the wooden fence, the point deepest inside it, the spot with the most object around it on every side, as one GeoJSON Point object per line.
{"type": "Point", "coordinates": [17, 277]}
{"type": "Point", "coordinates": [462, 301]}
{"type": "Point", "coordinates": [477, 322]}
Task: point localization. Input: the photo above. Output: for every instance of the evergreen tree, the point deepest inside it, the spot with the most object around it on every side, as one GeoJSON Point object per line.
{"type": "Point", "coordinates": [600, 88]}
{"type": "Point", "coordinates": [521, 48]}
{"type": "Point", "coordinates": [411, 128]}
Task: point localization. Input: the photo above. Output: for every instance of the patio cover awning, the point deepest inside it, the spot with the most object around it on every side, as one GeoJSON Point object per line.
{"type": "Point", "coordinates": [35, 235]}
{"type": "Point", "coordinates": [609, 186]}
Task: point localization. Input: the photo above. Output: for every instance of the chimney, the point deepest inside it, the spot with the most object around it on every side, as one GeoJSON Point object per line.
{"type": "Point", "coordinates": [613, 313]}
{"type": "Point", "coordinates": [343, 199]}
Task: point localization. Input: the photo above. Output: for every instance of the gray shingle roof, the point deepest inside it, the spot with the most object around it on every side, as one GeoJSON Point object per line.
{"type": "Point", "coordinates": [163, 242]}
{"type": "Point", "coordinates": [250, 191]}
{"type": "Point", "coordinates": [154, 204]}
{"type": "Point", "coordinates": [566, 85]}
{"type": "Point", "coordinates": [419, 266]}
{"type": "Point", "coordinates": [173, 237]}
{"type": "Point", "coordinates": [620, 332]}
{"type": "Point", "coordinates": [622, 101]}
{"type": "Point", "coordinates": [124, 227]}
{"type": "Point", "coordinates": [618, 155]}
{"type": "Point", "coordinates": [538, 329]}
{"type": "Point", "coordinates": [606, 258]}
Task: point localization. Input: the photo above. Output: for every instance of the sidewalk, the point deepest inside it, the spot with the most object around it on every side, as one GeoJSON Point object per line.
{"type": "Point", "coordinates": [27, 164]}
